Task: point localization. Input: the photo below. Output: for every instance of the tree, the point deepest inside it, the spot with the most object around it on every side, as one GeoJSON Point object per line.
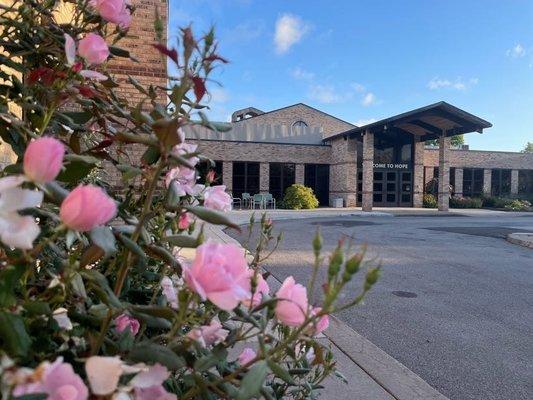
{"type": "Point", "coordinates": [528, 148]}
{"type": "Point", "coordinates": [455, 141]}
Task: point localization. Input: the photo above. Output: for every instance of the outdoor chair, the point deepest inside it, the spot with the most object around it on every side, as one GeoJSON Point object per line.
{"type": "Point", "coordinates": [270, 200]}
{"type": "Point", "coordinates": [246, 200]}
{"type": "Point", "coordinates": [259, 200]}
{"type": "Point", "coordinates": [235, 201]}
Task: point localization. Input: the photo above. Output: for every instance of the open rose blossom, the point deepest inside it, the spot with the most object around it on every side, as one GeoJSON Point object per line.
{"type": "Point", "coordinates": [292, 306]}
{"type": "Point", "coordinates": [114, 11]}
{"type": "Point", "coordinates": [57, 380]}
{"type": "Point", "coordinates": [219, 273]}
{"type": "Point", "coordinates": [216, 198]}
{"type": "Point", "coordinates": [246, 356]}
{"type": "Point", "coordinates": [43, 159]}
{"type": "Point", "coordinates": [124, 321]}
{"type": "Point", "coordinates": [87, 207]}
{"type": "Point", "coordinates": [208, 335]}
{"type": "Point", "coordinates": [93, 48]}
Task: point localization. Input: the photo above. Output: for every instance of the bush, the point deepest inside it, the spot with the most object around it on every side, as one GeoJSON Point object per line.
{"type": "Point", "coordinates": [299, 197]}
{"type": "Point", "coordinates": [466, 202]}
{"type": "Point", "coordinates": [518, 205]}
{"type": "Point", "coordinates": [430, 201]}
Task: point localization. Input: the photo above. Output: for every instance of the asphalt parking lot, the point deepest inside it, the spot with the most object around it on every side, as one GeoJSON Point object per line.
{"type": "Point", "coordinates": [455, 300]}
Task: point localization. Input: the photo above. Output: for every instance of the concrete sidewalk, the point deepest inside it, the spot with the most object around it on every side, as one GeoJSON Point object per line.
{"type": "Point", "coordinates": [371, 373]}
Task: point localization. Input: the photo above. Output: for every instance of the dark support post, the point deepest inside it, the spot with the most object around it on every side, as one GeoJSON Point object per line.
{"type": "Point", "coordinates": [444, 172]}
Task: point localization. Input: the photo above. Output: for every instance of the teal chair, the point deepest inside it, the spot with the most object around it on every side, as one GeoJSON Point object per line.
{"type": "Point", "coordinates": [270, 200]}
{"type": "Point", "coordinates": [246, 200]}
{"type": "Point", "coordinates": [258, 200]}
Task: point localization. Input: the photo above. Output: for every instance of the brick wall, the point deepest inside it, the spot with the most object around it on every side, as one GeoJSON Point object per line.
{"type": "Point", "coordinates": [301, 112]}
{"type": "Point", "coordinates": [481, 159]}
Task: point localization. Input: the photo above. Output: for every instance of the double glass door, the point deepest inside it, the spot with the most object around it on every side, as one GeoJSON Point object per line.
{"type": "Point", "coordinates": [393, 188]}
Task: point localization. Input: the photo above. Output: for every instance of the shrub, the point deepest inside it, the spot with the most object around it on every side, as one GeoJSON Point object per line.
{"type": "Point", "coordinates": [518, 205]}
{"type": "Point", "coordinates": [299, 197]}
{"type": "Point", "coordinates": [465, 202]}
{"type": "Point", "coordinates": [95, 299]}
{"type": "Point", "coordinates": [430, 201]}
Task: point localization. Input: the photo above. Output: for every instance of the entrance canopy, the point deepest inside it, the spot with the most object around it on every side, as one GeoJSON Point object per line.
{"type": "Point", "coordinates": [427, 123]}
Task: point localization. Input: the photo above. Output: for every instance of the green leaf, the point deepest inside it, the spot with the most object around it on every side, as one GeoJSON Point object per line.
{"type": "Point", "coordinates": [117, 51]}
{"type": "Point", "coordinates": [79, 117]}
{"type": "Point", "coordinates": [14, 338]}
{"type": "Point", "coordinates": [56, 191]}
{"type": "Point", "coordinates": [156, 311]}
{"type": "Point", "coordinates": [166, 131]}
{"type": "Point", "coordinates": [103, 237]}
{"type": "Point", "coordinates": [128, 172]}
{"type": "Point", "coordinates": [91, 255]}
{"type": "Point", "coordinates": [152, 353]}
{"type": "Point", "coordinates": [151, 155]}
{"type": "Point", "coordinates": [14, 169]}
{"type": "Point", "coordinates": [181, 241]}
{"type": "Point", "coordinates": [98, 282]}
{"type": "Point", "coordinates": [75, 171]}
{"type": "Point", "coordinates": [212, 216]}
{"type": "Point", "coordinates": [81, 158]}
{"type": "Point", "coordinates": [33, 396]}
{"type": "Point", "coordinates": [9, 281]}
{"type": "Point", "coordinates": [280, 372]}
{"type": "Point", "coordinates": [253, 381]}
{"type": "Point", "coordinates": [212, 359]}
{"type": "Point", "coordinates": [35, 308]}
{"type": "Point", "coordinates": [133, 247]}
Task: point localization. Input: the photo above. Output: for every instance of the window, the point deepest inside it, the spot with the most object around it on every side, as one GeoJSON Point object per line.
{"type": "Point", "coordinates": [393, 147]}
{"type": "Point", "coordinates": [500, 182]}
{"type": "Point", "coordinates": [298, 127]}
{"type": "Point", "coordinates": [525, 182]}
{"type": "Point", "coordinates": [472, 182]}
{"type": "Point", "coordinates": [245, 178]}
{"type": "Point", "coordinates": [452, 179]}
{"type": "Point", "coordinates": [317, 178]}
{"type": "Point", "coordinates": [282, 175]}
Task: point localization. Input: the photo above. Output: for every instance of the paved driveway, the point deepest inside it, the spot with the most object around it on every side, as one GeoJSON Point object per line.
{"type": "Point", "coordinates": [455, 301]}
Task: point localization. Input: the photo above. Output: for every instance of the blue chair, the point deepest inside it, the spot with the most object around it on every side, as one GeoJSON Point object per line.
{"type": "Point", "coordinates": [246, 200]}
{"type": "Point", "coordinates": [270, 200]}
{"type": "Point", "coordinates": [258, 199]}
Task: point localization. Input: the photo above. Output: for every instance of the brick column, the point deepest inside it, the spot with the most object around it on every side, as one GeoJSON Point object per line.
{"type": "Point", "coordinates": [418, 173]}
{"type": "Point", "coordinates": [487, 181]}
{"type": "Point", "coordinates": [368, 171]}
{"type": "Point", "coordinates": [299, 174]}
{"type": "Point", "coordinates": [343, 171]}
{"type": "Point", "coordinates": [264, 178]}
{"type": "Point", "coordinates": [227, 175]}
{"type": "Point", "coordinates": [514, 181]}
{"type": "Point", "coordinates": [444, 173]}
{"type": "Point", "coordinates": [458, 182]}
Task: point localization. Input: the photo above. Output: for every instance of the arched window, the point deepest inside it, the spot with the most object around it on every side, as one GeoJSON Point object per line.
{"type": "Point", "coordinates": [298, 126]}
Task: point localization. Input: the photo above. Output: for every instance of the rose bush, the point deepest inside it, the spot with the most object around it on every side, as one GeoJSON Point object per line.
{"type": "Point", "coordinates": [96, 300]}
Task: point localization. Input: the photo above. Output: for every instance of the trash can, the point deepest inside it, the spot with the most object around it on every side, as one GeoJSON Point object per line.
{"type": "Point", "coordinates": [337, 203]}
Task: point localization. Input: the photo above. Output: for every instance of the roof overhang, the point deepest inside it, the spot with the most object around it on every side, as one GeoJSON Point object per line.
{"type": "Point", "coordinates": [427, 123]}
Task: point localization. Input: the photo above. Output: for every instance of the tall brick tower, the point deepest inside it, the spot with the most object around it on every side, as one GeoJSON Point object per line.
{"type": "Point", "coordinates": [151, 68]}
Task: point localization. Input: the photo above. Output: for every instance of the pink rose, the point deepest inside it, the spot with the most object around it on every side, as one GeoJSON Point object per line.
{"type": "Point", "coordinates": [184, 220]}
{"type": "Point", "coordinates": [43, 159]}
{"type": "Point", "coordinates": [208, 335]}
{"type": "Point", "coordinates": [93, 48]}
{"type": "Point", "coordinates": [184, 180]}
{"type": "Point", "coordinates": [114, 11]}
{"type": "Point", "coordinates": [148, 385]}
{"type": "Point", "coordinates": [292, 306]}
{"type": "Point", "coordinates": [246, 356]}
{"type": "Point", "coordinates": [57, 380]}
{"type": "Point", "coordinates": [261, 289]}
{"type": "Point", "coordinates": [183, 149]}
{"type": "Point", "coordinates": [322, 324]}
{"type": "Point", "coordinates": [219, 273]}
{"type": "Point", "coordinates": [86, 207]}
{"type": "Point", "coordinates": [124, 321]}
{"type": "Point", "coordinates": [216, 198]}
{"type": "Point", "coordinates": [210, 176]}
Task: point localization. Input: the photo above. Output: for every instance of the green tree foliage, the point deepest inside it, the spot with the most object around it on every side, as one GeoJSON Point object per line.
{"type": "Point", "coordinates": [299, 197]}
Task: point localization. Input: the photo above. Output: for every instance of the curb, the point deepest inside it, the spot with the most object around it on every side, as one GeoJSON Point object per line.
{"type": "Point", "coordinates": [521, 239]}
{"type": "Point", "coordinates": [395, 378]}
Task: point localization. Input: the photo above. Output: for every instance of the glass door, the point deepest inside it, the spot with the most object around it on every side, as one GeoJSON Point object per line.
{"type": "Point", "coordinates": [406, 189]}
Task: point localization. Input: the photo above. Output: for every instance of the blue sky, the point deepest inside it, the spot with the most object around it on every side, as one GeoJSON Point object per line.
{"type": "Point", "coordinates": [368, 59]}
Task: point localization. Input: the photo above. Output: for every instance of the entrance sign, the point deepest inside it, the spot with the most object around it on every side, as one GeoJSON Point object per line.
{"type": "Point", "coordinates": [392, 165]}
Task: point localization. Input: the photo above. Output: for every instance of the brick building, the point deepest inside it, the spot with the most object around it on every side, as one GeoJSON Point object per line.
{"type": "Point", "coordinates": [386, 163]}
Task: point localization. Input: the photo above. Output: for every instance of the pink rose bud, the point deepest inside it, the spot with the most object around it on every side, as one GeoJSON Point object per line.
{"type": "Point", "coordinates": [322, 324]}
{"type": "Point", "coordinates": [124, 321]}
{"type": "Point", "coordinates": [219, 273]}
{"type": "Point", "coordinates": [246, 356]}
{"type": "Point", "coordinates": [93, 49]}
{"type": "Point", "coordinates": [114, 11]}
{"type": "Point", "coordinates": [43, 159]}
{"type": "Point", "coordinates": [210, 177]}
{"type": "Point", "coordinates": [184, 221]}
{"type": "Point", "coordinates": [208, 335]}
{"type": "Point", "coordinates": [292, 306]}
{"type": "Point", "coordinates": [261, 289]}
{"type": "Point", "coordinates": [57, 380]}
{"type": "Point", "coordinates": [216, 198]}
{"type": "Point", "coordinates": [87, 207]}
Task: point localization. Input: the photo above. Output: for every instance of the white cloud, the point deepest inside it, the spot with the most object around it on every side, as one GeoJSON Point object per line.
{"type": "Point", "coordinates": [363, 122]}
{"type": "Point", "coordinates": [516, 51]}
{"type": "Point", "coordinates": [302, 74]}
{"type": "Point", "coordinates": [368, 99]}
{"type": "Point", "coordinates": [290, 29]}
{"type": "Point", "coordinates": [358, 87]}
{"type": "Point", "coordinates": [325, 94]}
{"type": "Point", "coordinates": [457, 84]}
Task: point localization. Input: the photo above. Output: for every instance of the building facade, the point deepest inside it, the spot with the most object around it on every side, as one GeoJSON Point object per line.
{"type": "Point", "coordinates": [386, 163]}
